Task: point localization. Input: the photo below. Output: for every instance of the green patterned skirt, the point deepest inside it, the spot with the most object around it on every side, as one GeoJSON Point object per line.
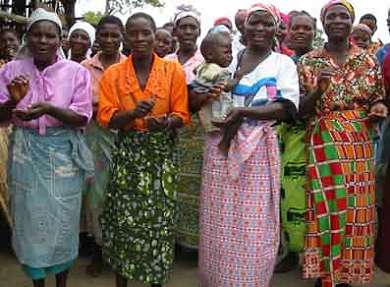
{"type": "Point", "coordinates": [139, 213]}
{"type": "Point", "coordinates": [190, 149]}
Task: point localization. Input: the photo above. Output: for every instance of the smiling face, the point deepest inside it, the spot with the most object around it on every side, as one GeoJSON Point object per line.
{"type": "Point", "coordinates": [43, 40]}
{"type": "Point", "coordinates": [301, 32]}
{"type": "Point", "coordinates": [163, 43]}
{"type": "Point", "coordinates": [109, 38]}
{"type": "Point", "coordinates": [187, 31]}
{"type": "Point", "coordinates": [338, 23]}
{"type": "Point", "coordinates": [79, 43]}
{"type": "Point", "coordinates": [260, 29]}
{"type": "Point", "coordinates": [9, 44]}
{"type": "Point", "coordinates": [140, 34]}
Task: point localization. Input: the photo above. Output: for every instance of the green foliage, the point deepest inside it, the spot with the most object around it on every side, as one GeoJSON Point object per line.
{"type": "Point", "coordinates": [124, 6]}
{"type": "Point", "coordinates": [92, 18]}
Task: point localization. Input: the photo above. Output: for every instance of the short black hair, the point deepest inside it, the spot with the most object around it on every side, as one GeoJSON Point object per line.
{"type": "Point", "coordinates": [304, 13]}
{"type": "Point", "coordinates": [368, 16]}
{"type": "Point", "coordinates": [11, 31]}
{"type": "Point", "coordinates": [144, 16]}
{"type": "Point", "coordinates": [210, 41]}
{"type": "Point", "coordinates": [110, 19]}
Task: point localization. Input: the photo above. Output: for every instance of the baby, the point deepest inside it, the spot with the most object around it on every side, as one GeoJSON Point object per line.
{"type": "Point", "coordinates": [361, 36]}
{"type": "Point", "coordinates": [216, 49]}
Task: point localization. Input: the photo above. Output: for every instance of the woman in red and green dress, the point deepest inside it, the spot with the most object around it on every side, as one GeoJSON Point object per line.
{"type": "Point", "coordinates": [344, 92]}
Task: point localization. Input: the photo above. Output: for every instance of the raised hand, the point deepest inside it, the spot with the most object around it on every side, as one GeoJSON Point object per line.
{"type": "Point", "coordinates": [18, 88]}
{"type": "Point", "coordinates": [319, 84]}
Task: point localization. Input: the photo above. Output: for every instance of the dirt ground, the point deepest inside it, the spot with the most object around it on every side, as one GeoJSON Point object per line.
{"type": "Point", "coordinates": [184, 275]}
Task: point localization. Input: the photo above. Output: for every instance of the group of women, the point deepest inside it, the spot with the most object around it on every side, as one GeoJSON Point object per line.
{"type": "Point", "coordinates": [112, 127]}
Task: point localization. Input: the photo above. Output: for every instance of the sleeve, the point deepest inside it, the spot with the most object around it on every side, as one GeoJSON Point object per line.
{"type": "Point", "coordinates": [179, 104]}
{"type": "Point", "coordinates": [5, 79]}
{"type": "Point", "coordinates": [375, 81]}
{"type": "Point", "coordinates": [108, 101]}
{"type": "Point", "coordinates": [288, 83]}
{"type": "Point", "coordinates": [82, 94]}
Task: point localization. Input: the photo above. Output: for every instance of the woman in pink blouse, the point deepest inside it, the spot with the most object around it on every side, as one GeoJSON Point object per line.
{"type": "Point", "coordinates": [48, 100]}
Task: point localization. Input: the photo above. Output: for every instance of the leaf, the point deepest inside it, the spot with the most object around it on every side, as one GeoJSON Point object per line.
{"type": "Point", "coordinates": [125, 6]}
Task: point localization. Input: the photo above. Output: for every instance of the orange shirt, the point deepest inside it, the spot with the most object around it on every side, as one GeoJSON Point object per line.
{"type": "Point", "coordinates": [119, 91]}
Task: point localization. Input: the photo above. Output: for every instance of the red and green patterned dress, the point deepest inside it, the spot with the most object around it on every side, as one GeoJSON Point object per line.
{"type": "Point", "coordinates": [341, 217]}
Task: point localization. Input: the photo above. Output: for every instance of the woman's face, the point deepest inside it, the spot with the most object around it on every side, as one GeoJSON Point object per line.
{"type": "Point", "coordinates": [140, 34]}
{"type": "Point", "coordinates": [260, 30]}
{"type": "Point", "coordinates": [9, 44]}
{"type": "Point", "coordinates": [301, 32]}
{"type": "Point", "coordinates": [79, 42]}
{"type": "Point", "coordinates": [43, 40]}
{"type": "Point", "coordinates": [163, 44]}
{"type": "Point", "coordinates": [338, 22]}
{"type": "Point", "coordinates": [187, 31]}
{"type": "Point", "coordinates": [109, 38]}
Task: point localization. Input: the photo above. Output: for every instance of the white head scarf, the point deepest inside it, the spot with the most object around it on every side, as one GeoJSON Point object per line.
{"type": "Point", "coordinates": [86, 27]}
{"type": "Point", "coordinates": [184, 11]}
{"type": "Point", "coordinates": [37, 15]}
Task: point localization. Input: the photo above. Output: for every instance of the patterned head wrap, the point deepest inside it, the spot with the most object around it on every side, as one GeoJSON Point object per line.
{"type": "Point", "coordinates": [271, 9]}
{"type": "Point", "coordinates": [362, 27]}
{"type": "Point", "coordinates": [221, 20]}
{"type": "Point", "coordinates": [184, 11]}
{"type": "Point", "coordinates": [332, 3]}
{"type": "Point", "coordinates": [37, 15]}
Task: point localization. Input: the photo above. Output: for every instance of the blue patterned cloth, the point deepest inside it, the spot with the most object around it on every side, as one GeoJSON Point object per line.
{"type": "Point", "coordinates": [46, 177]}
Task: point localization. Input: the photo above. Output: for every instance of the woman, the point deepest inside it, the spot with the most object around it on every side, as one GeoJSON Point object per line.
{"type": "Point", "coordinates": [383, 183]}
{"type": "Point", "coordinates": [109, 33]}
{"type": "Point", "coordinates": [191, 139]}
{"type": "Point", "coordinates": [81, 38]}
{"type": "Point", "coordinates": [145, 98]}
{"type": "Point", "coordinates": [239, 205]}
{"type": "Point", "coordinates": [343, 90]}
{"type": "Point", "coordinates": [9, 44]}
{"type": "Point", "coordinates": [48, 101]}
{"type": "Point", "coordinates": [301, 30]}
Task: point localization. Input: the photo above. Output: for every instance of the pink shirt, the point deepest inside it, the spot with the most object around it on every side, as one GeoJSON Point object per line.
{"type": "Point", "coordinates": [96, 69]}
{"type": "Point", "coordinates": [65, 84]}
{"type": "Point", "coordinates": [189, 66]}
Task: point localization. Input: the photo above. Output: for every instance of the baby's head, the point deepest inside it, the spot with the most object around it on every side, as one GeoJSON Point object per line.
{"type": "Point", "coordinates": [216, 47]}
{"type": "Point", "coordinates": [361, 36]}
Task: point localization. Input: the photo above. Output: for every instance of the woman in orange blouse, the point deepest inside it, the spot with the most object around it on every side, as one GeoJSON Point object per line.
{"type": "Point", "coordinates": [145, 98]}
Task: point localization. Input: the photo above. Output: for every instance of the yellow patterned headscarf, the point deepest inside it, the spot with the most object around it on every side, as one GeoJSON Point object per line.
{"type": "Point", "coordinates": [344, 3]}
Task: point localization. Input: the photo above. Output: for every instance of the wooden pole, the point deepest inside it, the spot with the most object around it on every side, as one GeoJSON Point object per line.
{"type": "Point", "coordinates": [13, 17]}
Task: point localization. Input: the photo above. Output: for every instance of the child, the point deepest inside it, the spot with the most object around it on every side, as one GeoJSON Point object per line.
{"type": "Point", "coordinates": [361, 36]}
{"type": "Point", "coordinates": [163, 43]}
{"type": "Point", "coordinates": [216, 49]}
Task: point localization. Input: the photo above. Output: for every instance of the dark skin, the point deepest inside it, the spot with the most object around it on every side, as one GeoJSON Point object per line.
{"type": "Point", "coordinates": [163, 43]}
{"type": "Point", "coordinates": [43, 40]}
{"type": "Point", "coordinates": [109, 38]}
{"type": "Point", "coordinates": [260, 28]}
{"type": "Point", "coordinates": [9, 45]}
{"type": "Point", "coordinates": [187, 31]}
{"type": "Point", "coordinates": [371, 24]}
{"type": "Point", "coordinates": [141, 37]}
{"type": "Point", "coordinates": [79, 43]}
{"type": "Point", "coordinates": [361, 38]}
{"type": "Point", "coordinates": [301, 34]}
{"type": "Point", "coordinates": [64, 41]}
{"type": "Point", "coordinates": [338, 24]}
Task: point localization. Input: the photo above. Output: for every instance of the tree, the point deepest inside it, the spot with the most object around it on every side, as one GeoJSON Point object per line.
{"type": "Point", "coordinates": [124, 6]}
{"type": "Point", "coordinates": [319, 41]}
{"type": "Point", "coordinates": [92, 18]}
